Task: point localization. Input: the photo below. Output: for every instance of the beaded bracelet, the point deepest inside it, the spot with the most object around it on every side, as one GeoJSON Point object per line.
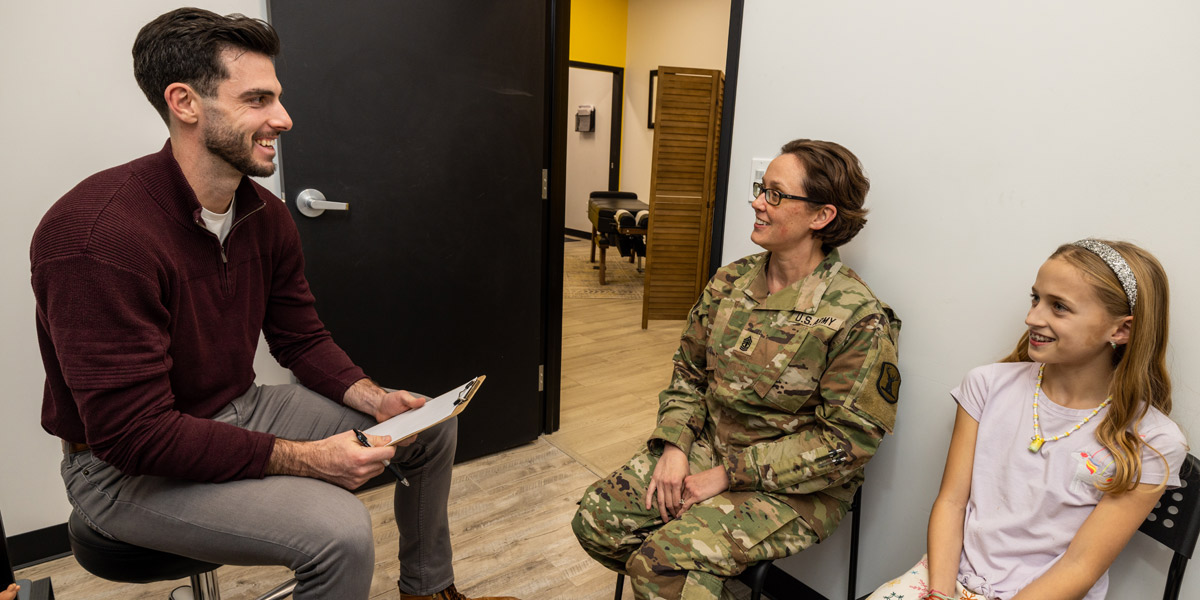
{"type": "Point", "coordinates": [938, 595]}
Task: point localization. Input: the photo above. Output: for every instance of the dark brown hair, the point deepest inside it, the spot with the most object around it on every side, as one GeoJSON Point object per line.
{"type": "Point", "coordinates": [833, 176]}
{"type": "Point", "coordinates": [185, 46]}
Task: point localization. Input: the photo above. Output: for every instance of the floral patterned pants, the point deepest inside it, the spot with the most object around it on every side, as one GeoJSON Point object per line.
{"type": "Point", "coordinates": [914, 584]}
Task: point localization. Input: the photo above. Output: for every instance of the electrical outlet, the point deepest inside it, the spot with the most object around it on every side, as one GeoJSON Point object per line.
{"type": "Point", "coordinates": [758, 168]}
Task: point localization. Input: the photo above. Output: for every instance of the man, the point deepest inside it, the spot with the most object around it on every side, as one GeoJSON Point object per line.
{"type": "Point", "coordinates": [153, 280]}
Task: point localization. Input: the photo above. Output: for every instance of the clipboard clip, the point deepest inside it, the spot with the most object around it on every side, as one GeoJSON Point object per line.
{"type": "Point", "coordinates": [467, 391]}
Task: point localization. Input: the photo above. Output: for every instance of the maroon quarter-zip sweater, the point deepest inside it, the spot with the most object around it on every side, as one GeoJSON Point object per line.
{"type": "Point", "coordinates": [148, 326]}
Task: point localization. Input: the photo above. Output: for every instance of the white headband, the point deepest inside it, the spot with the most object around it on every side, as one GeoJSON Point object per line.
{"type": "Point", "coordinates": [1117, 263]}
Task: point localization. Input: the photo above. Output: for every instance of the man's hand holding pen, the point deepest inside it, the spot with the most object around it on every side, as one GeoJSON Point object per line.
{"type": "Point", "coordinates": [365, 440]}
{"type": "Point", "coordinates": [351, 458]}
{"type": "Point", "coordinates": [339, 459]}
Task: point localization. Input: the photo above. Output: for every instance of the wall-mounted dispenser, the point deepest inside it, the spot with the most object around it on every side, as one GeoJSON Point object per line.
{"type": "Point", "coordinates": [585, 118]}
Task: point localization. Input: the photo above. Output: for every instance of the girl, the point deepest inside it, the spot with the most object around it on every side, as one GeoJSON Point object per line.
{"type": "Point", "coordinates": [1044, 515]}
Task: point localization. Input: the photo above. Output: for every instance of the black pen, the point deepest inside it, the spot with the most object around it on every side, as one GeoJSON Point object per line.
{"type": "Point", "coordinates": [362, 439]}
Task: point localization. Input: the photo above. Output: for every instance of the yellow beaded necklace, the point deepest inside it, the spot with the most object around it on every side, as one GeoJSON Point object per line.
{"type": "Point", "coordinates": [1038, 440]}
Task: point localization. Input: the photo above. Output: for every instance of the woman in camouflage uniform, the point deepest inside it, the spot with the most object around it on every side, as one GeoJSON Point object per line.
{"type": "Point", "coordinates": [785, 382]}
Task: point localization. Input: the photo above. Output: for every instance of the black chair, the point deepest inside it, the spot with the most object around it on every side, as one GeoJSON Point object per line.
{"type": "Point", "coordinates": [1175, 523]}
{"type": "Point", "coordinates": [755, 576]}
{"type": "Point", "coordinates": [117, 561]}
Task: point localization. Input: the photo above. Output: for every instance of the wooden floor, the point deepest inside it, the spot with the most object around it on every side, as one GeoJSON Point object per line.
{"type": "Point", "coordinates": [510, 513]}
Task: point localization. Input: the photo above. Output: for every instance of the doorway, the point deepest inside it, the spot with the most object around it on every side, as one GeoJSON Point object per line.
{"type": "Point", "coordinates": [593, 144]}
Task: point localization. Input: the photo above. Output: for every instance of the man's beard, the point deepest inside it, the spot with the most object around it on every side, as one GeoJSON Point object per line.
{"type": "Point", "coordinates": [232, 148]}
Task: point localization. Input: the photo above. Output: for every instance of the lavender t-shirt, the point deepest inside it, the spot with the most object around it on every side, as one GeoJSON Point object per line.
{"type": "Point", "coordinates": [1024, 507]}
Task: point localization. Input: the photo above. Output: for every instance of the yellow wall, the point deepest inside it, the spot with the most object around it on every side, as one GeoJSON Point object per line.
{"type": "Point", "coordinates": [598, 31]}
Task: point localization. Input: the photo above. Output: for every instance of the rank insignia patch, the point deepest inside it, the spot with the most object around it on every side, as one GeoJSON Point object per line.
{"type": "Point", "coordinates": [746, 342]}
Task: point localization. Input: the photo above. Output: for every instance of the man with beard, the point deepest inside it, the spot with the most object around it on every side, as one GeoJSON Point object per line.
{"type": "Point", "coordinates": [153, 281]}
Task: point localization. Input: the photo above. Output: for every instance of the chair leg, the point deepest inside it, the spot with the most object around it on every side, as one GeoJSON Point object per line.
{"type": "Point", "coordinates": [603, 247]}
{"type": "Point", "coordinates": [1175, 577]}
{"type": "Point", "coordinates": [856, 508]}
{"type": "Point", "coordinates": [758, 578]}
{"type": "Point", "coordinates": [620, 586]}
{"type": "Point", "coordinates": [205, 586]}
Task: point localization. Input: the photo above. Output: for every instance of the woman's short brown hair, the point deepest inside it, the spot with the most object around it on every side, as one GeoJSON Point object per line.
{"type": "Point", "coordinates": [833, 176]}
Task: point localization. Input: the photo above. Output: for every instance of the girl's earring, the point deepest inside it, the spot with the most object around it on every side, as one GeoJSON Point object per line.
{"type": "Point", "coordinates": [1114, 345]}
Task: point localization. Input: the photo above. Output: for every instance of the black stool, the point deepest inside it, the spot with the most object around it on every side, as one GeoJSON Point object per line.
{"type": "Point", "coordinates": [117, 561]}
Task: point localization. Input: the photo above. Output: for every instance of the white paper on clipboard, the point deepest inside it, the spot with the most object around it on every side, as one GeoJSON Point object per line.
{"type": "Point", "coordinates": [436, 410]}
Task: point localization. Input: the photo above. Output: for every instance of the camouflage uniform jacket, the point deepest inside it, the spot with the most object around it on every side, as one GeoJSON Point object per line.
{"type": "Point", "coordinates": [794, 389]}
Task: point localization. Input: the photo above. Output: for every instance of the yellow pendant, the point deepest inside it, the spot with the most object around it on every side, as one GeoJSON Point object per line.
{"type": "Point", "coordinates": [1036, 444]}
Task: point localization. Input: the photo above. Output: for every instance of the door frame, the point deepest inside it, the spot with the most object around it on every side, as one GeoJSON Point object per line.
{"type": "Point", "coordinates": [558, 41]}
{"type": "Point", "coordinates": [733, 55]}
{"type": "Point", "coordinates": [618, 101]}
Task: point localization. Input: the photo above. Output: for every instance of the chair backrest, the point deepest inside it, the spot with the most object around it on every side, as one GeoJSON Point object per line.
{"type": "Point", "coordinates": [1175, 521]}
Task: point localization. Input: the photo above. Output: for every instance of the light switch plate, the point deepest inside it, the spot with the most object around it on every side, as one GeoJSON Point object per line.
{"type": "Point", "coordinates": [758, 168]}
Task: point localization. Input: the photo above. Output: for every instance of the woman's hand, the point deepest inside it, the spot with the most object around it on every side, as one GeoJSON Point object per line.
{"type": "Point", "coordinates": [667, 482]}
{"type": "Point", "coordinates": [704, 485]}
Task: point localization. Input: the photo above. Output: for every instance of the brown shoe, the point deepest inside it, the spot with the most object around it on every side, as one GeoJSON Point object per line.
{"type": "Point", "coordinates": [452, 593]}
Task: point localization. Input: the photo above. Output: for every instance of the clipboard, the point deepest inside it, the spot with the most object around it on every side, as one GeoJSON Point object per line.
{"type": "Point", "coordinates": [436, 410]}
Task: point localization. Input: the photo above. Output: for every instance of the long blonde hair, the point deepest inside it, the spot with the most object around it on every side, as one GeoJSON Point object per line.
{"type": "Point", "coordinates": [1140, 379]}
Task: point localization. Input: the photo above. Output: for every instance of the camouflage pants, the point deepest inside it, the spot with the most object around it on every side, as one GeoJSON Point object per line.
{"type": "Point", "coordinates": [689, 557]}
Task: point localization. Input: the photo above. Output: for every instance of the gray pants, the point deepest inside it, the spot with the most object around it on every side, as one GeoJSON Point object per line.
{"type": "Point", "coordinates": [319, 530]}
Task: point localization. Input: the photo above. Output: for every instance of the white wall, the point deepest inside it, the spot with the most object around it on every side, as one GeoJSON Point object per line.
{"type": "Point", "coordinates": [992, 133]}
{"type": "Point", "coordinates": [673, 33]}
{"type": "Point", "coordinates": [69, 107]}
{"type": "Point", "coordinates": [587, 152]}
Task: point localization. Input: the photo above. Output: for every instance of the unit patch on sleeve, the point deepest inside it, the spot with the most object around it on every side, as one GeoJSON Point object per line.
{"type": "Point", "coordinates": [888, 383]}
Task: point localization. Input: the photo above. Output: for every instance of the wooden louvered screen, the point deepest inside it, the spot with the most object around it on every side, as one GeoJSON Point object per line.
{"type": "Point", "coordinates": [683, 181]}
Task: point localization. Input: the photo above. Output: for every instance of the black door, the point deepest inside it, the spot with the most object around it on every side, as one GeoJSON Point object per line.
{"type": "Point", "coordinates": [430, 120]}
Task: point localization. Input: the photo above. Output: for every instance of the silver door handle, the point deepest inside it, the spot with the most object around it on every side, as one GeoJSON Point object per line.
{"type": "Point", "coordinates": [312, 203]}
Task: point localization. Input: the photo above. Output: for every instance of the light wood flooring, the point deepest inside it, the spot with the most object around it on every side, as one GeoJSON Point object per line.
{"type": "Point", "coordinates": [510, 513]}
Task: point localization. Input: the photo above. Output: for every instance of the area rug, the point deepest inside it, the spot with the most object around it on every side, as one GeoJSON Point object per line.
{"type": "Point", "coordinates": [581, 279]}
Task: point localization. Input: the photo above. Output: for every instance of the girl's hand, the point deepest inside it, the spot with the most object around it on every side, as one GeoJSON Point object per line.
{"type": "Point", "coordinates": [667, 482]}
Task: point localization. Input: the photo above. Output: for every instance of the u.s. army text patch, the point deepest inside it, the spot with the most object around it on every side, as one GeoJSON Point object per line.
{"type": "Point", "coordinates": [813, 320]}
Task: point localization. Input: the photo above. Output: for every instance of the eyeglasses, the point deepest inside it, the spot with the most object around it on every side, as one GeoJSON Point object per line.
{"type": "Point", "coordinates": [774, 197]}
